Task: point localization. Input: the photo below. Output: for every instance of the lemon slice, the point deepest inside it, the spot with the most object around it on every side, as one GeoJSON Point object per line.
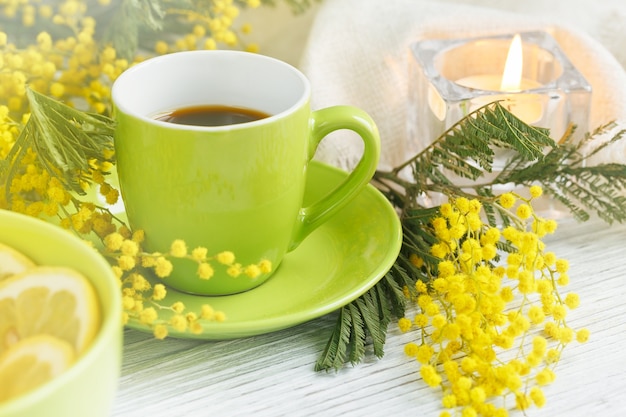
{"type": "Point", "coordinates": [57, 301]}
{"type": "Point", "coordinates": [31, 362]}
{"type": "Point", "coordinates": [12, 262]}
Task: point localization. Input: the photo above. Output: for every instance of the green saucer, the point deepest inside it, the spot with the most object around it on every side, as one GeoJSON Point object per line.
{"type": "Point", "coordinates": [334, 265]}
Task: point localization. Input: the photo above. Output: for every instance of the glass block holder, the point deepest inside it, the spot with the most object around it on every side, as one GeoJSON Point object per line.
{"type": "Point", "coordinates": [553, 95]}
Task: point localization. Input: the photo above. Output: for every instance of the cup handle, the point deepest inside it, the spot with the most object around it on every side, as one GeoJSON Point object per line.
{"type": "Point", "coordinates": [322, 123]}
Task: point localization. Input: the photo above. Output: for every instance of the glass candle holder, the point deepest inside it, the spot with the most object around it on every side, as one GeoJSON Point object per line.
{"type": "Point", "coordinates": [450, 78]}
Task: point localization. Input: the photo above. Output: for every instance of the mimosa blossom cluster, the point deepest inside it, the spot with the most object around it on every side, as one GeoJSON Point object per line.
{"type": "Point", "coordinates": [143, 301]}
{"type": "Point", "coordinates": [491, 323]}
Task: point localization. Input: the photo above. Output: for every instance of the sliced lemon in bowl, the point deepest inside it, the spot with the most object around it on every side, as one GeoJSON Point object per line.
{"type": "Point", "coordinates": [12, 262]}
{"type": "Point", "coordinates": [31, 362]}
{"type": "Point", "coordinates": [55, 301]}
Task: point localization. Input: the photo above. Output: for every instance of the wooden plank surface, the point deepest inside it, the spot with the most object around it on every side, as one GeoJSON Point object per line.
{"type": "Point", "coordinates": [272, 375]}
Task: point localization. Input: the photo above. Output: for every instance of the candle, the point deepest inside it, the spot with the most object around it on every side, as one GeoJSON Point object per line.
{"type": "Point", "coordinates": [449, 78]}
{"type": "Point", "coordinates": [525, 106]}
{"type": "Point", "coordinates": [490, 82]}
{"type": "Point", "coordinates": [531, 76]}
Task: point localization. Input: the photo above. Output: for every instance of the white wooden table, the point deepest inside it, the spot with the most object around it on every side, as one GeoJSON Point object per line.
{"type": "Point", "coordinates": [272, 375]}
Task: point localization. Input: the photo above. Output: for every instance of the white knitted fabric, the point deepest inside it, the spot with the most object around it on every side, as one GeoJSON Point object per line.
{"type": "Point", "coordinates": [357, 54]}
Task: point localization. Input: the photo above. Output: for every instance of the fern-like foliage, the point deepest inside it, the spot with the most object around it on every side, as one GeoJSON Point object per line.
{"type": "Point", "coordinates": [365, 320]}
{"type": "Point", "coordinates": [468, 148]}
{"type": "Point", "coordinates": [465, 154]}
{"type": "Point", "coordinates": [64, 139]}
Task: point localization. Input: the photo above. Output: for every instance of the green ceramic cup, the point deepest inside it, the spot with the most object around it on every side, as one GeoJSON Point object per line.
{"type": "Point", "coordinates": [236, 187]}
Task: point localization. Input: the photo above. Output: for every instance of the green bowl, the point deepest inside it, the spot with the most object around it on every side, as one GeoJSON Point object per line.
{"type": "Point", "coordinates": [89, 386]}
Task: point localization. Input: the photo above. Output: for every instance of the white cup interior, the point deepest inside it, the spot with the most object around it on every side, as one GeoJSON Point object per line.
{"type": "Point", "coordinates": [230, 78]}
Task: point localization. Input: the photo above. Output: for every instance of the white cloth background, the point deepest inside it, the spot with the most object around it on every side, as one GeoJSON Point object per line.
{"type": "Point", "coordinates": [357, 54]}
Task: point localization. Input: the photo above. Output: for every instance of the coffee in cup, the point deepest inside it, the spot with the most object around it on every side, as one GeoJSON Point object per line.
{"type": "Point", "coordinates": [211, 115]}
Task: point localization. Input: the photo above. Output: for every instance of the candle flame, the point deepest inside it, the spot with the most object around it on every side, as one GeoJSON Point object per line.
{"type": "Point", "coordinates": [512, 75]}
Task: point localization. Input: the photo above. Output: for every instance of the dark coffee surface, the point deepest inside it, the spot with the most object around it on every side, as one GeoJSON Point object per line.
{"type": "Point", "coordinates": [211, 115]}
